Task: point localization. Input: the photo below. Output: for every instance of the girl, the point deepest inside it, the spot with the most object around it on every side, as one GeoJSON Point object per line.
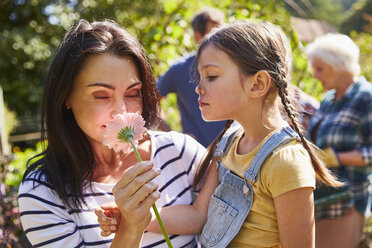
{"type": "Point", "coordinates": [262, 172]}
{"type": "Point", "coordinates": [101, 70]}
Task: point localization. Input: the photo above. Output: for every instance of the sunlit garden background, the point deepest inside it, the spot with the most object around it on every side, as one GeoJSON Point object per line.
{"type": "Point", "coordinates": [31, 31]}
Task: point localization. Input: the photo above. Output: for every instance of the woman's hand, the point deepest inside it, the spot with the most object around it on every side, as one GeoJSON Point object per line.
{"type": "Point", "coordinates": [134, 195]}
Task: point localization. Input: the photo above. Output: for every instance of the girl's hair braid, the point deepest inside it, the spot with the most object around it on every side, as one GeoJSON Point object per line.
{"type": "Point", "coordinates": [321, 171]}
{"type": "Point", "coordinates": [205, 162]}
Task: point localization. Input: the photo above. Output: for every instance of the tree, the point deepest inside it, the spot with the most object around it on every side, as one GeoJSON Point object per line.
{"type": "Point", "coordinates": [326, 10]}
{"type": "Point", "coordinates": [359, 18]}
{"type": "Point", "coordinates": [32, 30]}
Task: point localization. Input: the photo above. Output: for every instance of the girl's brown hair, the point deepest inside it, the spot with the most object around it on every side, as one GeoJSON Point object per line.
{"type": "Point", "coordinates": [254, 47]}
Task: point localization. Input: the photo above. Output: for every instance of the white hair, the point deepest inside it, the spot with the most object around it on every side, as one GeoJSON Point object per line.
{"type": "Point", "coordinates": [337, 50]}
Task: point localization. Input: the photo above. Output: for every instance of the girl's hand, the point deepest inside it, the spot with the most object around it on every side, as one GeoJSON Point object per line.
{"type": "Point", "coordinates": [108, 216]}
{"type": "Point", "coordinates": [134, 194]}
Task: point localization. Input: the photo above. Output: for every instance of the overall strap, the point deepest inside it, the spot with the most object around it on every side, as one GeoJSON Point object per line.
{"type": "Point", "coordinates": [279, 138]}
{"type": "Point", "coordinates": [223, 147]}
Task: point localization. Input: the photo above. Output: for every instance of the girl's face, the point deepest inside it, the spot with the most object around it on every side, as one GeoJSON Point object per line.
{"type": "Point", "coordinates": [105, 86]}
{"type": "Point", "coordinates": [326, 74]}
{"type": "Point", "coordinates": [222, 93]}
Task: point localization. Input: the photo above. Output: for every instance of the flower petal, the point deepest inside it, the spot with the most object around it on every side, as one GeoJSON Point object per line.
{"type": "Point", "coordinates": [120, 121]}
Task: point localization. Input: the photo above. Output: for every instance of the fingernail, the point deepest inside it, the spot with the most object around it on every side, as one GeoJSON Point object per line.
{"type": "Point", "coordinates": [113, 228]}
{"type": "Point", "coordinates": [104, 218]}
{"type": "Point", "coordinates": [113, 222]}
{"type": "Point", "coordinates": [158, 170]}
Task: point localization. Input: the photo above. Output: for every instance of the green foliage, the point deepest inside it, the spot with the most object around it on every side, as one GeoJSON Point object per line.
{"type": "Point", "coordinates": [326, 10]}
{"type": "Point", "coordinates": [364, 42]}
{"type": "Point", "coordinates": [32, 30]}
{"type": "Point", "coordinates": [26, 45]}
{"type": "Point", "coordinates": [17, 167]}
{"type": "Point", "coordinates": [10, 226]}
{"type": "Point", "coordinates": [11, 120]}
{"type": "Point", "coordinates": [358, 18]}
{"type": "Point", "coordinates": [170, 111]}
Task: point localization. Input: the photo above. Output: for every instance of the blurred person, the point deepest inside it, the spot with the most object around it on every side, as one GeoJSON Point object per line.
{"type": "Point", "coordinates": [180, 79]}
{"type": "Point", "coordinates": [342, 127]}
{"type": "Point", "coordinates": [306, 105]}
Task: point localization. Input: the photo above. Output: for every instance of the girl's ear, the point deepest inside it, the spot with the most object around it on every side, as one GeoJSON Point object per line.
{"type": "Point", "coordinates": [260, 84]}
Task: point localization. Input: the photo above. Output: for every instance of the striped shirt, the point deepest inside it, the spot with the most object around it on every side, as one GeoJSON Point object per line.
{"type": "Point", "coordinates": [48, 223]}
{"type": "Point", "coordinates": [346, 124]}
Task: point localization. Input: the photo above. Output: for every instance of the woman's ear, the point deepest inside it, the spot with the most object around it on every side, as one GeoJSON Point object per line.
{"type": "Point", "coordinates": [260, 84]}
{"type": "Point", "coordinates": [67, 104]}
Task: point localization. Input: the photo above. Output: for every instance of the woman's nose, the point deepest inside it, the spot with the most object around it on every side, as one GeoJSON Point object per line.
{"type": "Point", "coordinates": [118, 109]}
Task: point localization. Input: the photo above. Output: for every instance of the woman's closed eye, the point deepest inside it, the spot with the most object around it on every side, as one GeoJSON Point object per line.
{"type": "Point", "coordinates": [101, 96]}
{"type": "Point", "coordinates": [134, 93]}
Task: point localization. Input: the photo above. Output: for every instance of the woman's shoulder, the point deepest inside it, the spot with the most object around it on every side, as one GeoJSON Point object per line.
{"type": "Point", "coordinates": [35, 181]}
{"type": "Point", "coordinates": [176, 144]}
{"type": "Point", "coordinates": [365, 89]}
{"type": "Point", "coordinates": [172, 137]}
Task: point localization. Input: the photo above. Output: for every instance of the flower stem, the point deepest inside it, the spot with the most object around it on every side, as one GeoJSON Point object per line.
{"type": "Point", "coordinates": [153, 205]}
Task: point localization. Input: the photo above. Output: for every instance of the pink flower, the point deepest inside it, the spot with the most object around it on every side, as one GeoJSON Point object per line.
{"type": "Point", "coordinates": [123, 128]}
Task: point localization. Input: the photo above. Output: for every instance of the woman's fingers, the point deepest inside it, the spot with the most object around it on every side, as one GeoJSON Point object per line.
{"type": "Point", "coordinates": [150, 200]}
{"type": "Point", "coordinates": [132, 203]}
{"type": "Point", "coordinates": [131, 173]}
{"type": "Point", "coordinates": [134, 195]}
{"type": "Point", "coordinates": [136, 190]}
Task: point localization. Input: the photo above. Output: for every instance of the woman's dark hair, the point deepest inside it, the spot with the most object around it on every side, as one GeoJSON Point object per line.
{"type": "Point", "coordinates": [254, 47]}
{"type": "Point", "coordinates": [68, 161]}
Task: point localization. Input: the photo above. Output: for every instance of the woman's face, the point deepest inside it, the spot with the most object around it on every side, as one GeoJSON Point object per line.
{"type": "Point", "coordinates": [105, 86]}
{"type": "Point", "coordinates": [221, 87]}
{"type": "Point", "coordinates": [326, 74]}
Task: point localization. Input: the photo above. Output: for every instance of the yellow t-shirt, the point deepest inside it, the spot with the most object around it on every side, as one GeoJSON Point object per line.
{"type": "Point", "coordinates": [288, 168]}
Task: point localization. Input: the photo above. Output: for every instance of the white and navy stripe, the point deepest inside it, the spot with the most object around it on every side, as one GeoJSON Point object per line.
{"type": "Point", "coordinates": [47, 222]}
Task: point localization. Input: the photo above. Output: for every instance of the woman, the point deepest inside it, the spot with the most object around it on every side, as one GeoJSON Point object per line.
{"type": "Point", "coordinates": [343, 128]}
{"type": "Point", "coordinates": [100, 70]}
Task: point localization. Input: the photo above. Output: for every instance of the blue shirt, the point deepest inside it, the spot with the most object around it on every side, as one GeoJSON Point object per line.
{"type": "Point", "coordinates": [346, 124]}
{"type": "Point", "coordinates": [180, 79]}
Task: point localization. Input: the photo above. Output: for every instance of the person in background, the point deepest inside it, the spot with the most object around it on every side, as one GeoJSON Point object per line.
{"type": "Point", "coordinates": [342, 127]}
{"type": "Point", "coordinates": [306, 105]}
{"type": "Point", "coordinates": [99, 71]}
{"type": "Point", "coordinates": [180, 79]}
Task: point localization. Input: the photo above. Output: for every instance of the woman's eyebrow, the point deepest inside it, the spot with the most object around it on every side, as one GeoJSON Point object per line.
{"type": "Point", "coordinates": [135, 84]}
{"type": "Point", "coordinates": [101, 85]}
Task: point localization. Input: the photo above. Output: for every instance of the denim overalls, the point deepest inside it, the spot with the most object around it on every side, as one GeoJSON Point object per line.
{"type": "Point", "coordinates": [233, 198]}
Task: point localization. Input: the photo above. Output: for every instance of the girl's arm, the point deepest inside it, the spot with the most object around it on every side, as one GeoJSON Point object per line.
{"type": "Point", "coordinates": [177, 219]}
{"type": "Point", "coordinates": [295, 215]}
{"type": "Point", "coordinates": [188, 219]}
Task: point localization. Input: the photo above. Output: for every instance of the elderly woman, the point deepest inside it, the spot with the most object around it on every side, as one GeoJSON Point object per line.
{"type": "Point", "coordinates": [342, 127]}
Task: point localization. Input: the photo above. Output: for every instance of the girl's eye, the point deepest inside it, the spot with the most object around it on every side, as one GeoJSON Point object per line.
{"type": "Point", "coordinates": [211, 77]}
